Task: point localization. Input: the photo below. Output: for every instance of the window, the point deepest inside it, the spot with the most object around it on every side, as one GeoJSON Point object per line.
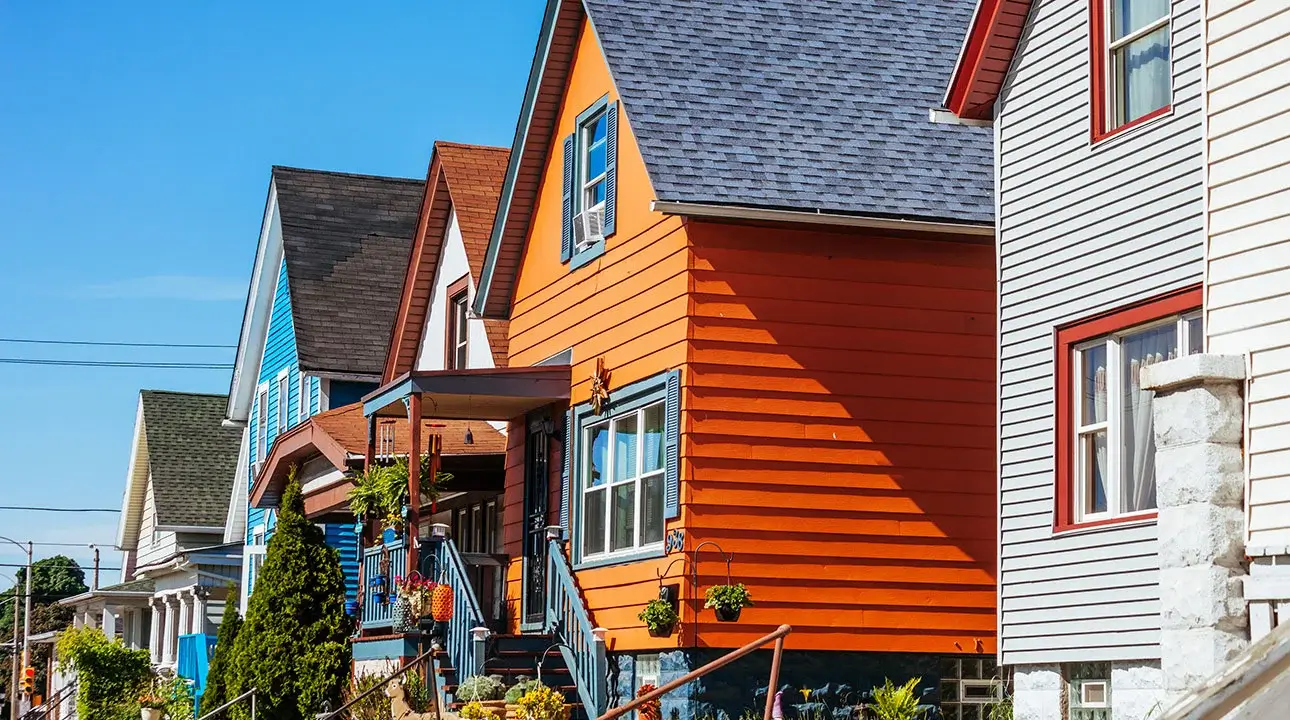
{"type": "Point", "coordinates": [1106, 447]}
{"type": "Point", "coordinates": [1132, 72]}
{"type": "Point", "coordinates": [284, 401]}
{"type": "Point", "coordinates": [1088, 691]}
{"type": "Point", "coordinates": [622, 468]}
{"type": "Point", "coordinates": [970, 685]}
{"type": "Point", "coordinates": [591, 160]}
{"type": "Point", "coordinates": [458, 331]}
{"type": "Point", "coordinates": [262, 422]}
{"type": "Point", "coordinates": [303, 412]}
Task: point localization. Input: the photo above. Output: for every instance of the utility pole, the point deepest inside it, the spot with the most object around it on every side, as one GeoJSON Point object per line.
{"type": "Point", "coordinates": [26, 616]}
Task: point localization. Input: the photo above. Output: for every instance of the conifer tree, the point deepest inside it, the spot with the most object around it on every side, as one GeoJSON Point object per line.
{"type": "Point", "coordinates": [293, 645]}
{"type": "Point", "coordinates": [217, 676]}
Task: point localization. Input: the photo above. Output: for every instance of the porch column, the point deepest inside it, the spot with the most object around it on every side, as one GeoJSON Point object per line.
{"type": "Point", "coordinates": [109, 622]}
{"type": "Point", "coordinates": [158, 621]}
{"type": "Point", "coordinates": [414, 480]}
{"type": "Point", "coordinates": [185, 612]}
{"type": "Point", "coordinates": [171, 637]}
{"type": "Point", "coordinates": [200, 595]}
{"type": "Point", "coordinates": [1197, 413]}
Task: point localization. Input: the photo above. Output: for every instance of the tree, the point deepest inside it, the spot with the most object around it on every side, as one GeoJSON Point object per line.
{"type": "Point", "coordinates": [293, 646]}
{"type": "Point", "coordinates": [109, 675]}
{"type": "Point", "coordinates": [225, 641]}
{"type": "Point", "coordinates": [52, 579]}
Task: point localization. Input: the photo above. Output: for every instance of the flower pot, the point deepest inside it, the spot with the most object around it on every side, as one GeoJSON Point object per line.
{"type": "Point", "coordinates": [727, 614]}
{"type": "Point", "coordinates": [380, 598]}
{"type": "Point", "coordinates": [389, 535]}
{"type": "Point", "coordinates": [401, 614]}
{"type": "Point", "coordinates": [150, 713]}
{"type": "Point", "coordinates": [496, 707]}
{"type": "Point", "coordinates": [663, 631]}
{"type": "Point", "coordinates": [512, 711]}
{"type": "Point", "coordinates": [351, 608]}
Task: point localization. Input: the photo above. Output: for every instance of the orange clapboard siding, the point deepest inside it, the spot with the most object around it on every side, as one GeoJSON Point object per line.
{"type": "Point", "coordinates": [628, 307]}
{"type": "Point", "coordinates": [839, 436]}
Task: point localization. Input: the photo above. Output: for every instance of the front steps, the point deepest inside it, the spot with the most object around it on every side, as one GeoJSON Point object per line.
{"type": "Point", "coordinates": [515, 657]}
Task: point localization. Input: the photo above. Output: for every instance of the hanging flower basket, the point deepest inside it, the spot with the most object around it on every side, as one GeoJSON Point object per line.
{"type": "Point", "coordinates": [727, 614]}
{"type": "Point", "coordinates": [727, 601]}
{"type": "Point", "coordinates": [401, 613]}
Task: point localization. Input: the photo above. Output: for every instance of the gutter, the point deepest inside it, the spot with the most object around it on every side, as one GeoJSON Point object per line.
{"type": "Point", "coordinates": [818, 217]}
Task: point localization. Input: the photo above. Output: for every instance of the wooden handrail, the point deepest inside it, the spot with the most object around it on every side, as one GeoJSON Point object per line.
{"type": "Point", "coordinates": [724, 660]}
{"type": "Point", "coordinates": [407, 666]}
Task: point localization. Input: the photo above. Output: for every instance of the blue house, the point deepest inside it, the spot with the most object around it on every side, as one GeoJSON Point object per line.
{"type": "Point", "coordinates": [324, 290]}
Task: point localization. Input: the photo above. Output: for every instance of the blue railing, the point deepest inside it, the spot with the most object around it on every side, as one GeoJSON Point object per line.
{"type": "Point", "coordinates": [458, 639]}
{"type": "Point", "coordinates": [381, 614]}
{"type": "Point", "coordinates": [583, 645]}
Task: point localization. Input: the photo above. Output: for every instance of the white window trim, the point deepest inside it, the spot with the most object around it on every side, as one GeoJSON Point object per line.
{"type": "Point", "coordinates": [994, 687]}
{"type": "Point", "coordinates": [302, 412]}
{"type": "Point", "coordinates": [1109, 48]}
{"type": "Point", "coordinates": [639, 477]}
{"type": "Point", "coordinates": [284, 401]}
{"type": "Point", "coordinates": [261, 421]}
{"type": "Point", "coordinates": [584, 153]}
{"type": "Point", "coordinates": [1083, 700]}
{"type": "Point", "coordinates": [1114, 430]}
{"type": "Point", "coordinates": [460, 329]}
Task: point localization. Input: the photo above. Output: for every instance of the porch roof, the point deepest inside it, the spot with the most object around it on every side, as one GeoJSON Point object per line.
{"type": "Point", "coordinates": [474, 394]}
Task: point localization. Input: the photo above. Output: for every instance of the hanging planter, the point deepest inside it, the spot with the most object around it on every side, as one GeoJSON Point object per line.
{"type": "Point", "coordinates": [659, 617]}
{"type": "Point", "coordinates": [441, 602]}
{"type": "Point", "coordinates": [727, 601]}
{"type": "Point", "coordinates": [352, 608]}
{"type": "Point", "coordinates": [380, 589]}
{"type": "Point", "coordinates": [401, 614]}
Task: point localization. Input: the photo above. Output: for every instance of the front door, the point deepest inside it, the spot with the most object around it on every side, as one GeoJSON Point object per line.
{"type": "Point", "coordinates": [536, 493]}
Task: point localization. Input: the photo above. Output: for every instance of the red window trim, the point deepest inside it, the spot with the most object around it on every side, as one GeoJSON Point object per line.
{"type": "Point", "coordinates": [1097, 81]}
{"type": "Point", "coordinates": [458, 287]}
{"type": "Point", "coordinates": [1068, 336]}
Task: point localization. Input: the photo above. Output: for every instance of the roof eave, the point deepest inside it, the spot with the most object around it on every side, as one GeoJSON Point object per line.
{"type": "Point", "coordinates": [820, 217]}
{"type": "Point", "coordinates": [984, 34]}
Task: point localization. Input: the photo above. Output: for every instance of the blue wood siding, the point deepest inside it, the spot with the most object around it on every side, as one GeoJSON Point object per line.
{"type": "Point", "coordinates": [344, 538]}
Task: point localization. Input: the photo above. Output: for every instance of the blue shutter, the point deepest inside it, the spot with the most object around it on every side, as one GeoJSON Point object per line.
{"type": "Point", "coordinates": [566, 227]}
{"type": "Point", "coordinates": [566, 492]}
{"type": "Point", "coordinates": [672, 441]}
{"type": "Point", "coordinates": [611, 169]}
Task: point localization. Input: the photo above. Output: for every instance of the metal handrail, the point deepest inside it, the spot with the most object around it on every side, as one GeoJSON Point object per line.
{"type": "Point", "coordinates": [249, 693]}
{"type": "Point", "coordinates": [51, 702]}
{"type": "Point", "coordinates": [407, 666]}
{"type": "Point", "coordinates": [777, 636]}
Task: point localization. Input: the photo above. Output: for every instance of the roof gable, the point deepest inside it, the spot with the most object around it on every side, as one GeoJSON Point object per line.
{"type": "Point", "coordinates": [465, 181]}
{"type": "Point", "coordinates": [190, 457]}
{"type": "Point", "coordinates": [983, 61]}
{"type": "Point", "coordinates": [768, 104]}
{"type": "Point", "coordinates": [345, 239]}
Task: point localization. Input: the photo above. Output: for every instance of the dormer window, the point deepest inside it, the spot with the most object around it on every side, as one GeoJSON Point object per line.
{"type": "Point", "coordinates": [1132, 73]}
{"type": "Point", "coordinates": [592, 161]}
{"type": "Point", "coordinates": [590, 183]}
{"type": "Point", "coordinates": [457, 349]}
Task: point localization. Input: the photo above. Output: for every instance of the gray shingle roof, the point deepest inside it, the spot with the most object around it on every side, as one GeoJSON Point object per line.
{"type": "Point", "coordinates": [346, 240]}
{"type": "Point", "coordinates": [819, 105]}
{"type": "Point", "coordinates": [191, 456]}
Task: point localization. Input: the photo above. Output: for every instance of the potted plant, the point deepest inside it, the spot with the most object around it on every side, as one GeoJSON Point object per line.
{"type": "Point", "coordinates": [380, 589]}
{"type": "Point", "coordinates": [727, 601]}
{"type": "Point", "coordinates": [542, 703]}
{"type": "Point", "coordinates": [897, 703]}
{"type": "Point", "coordinates": [381, 491]}
{"type": "Point", "coordinates": [513, 695]}
{"type": "Point", "coordinates": [650, 709]}
{"type": "Point", "coordinates": [151, 705]}
{"type": "Point", "coordinates": [659, 617]}
{"type": "Point", "coordinates": [486, 691]}
{"type": "Point", "coordinates": [474, 710]}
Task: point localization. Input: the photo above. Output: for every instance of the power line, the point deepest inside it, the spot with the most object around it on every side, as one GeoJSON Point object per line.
{"type": "Point", "coordinates": [24, 565]}
{"type": "Point", "coordinates": [56, 509]}
{"type": "Point", "coordinates": [117, 364]}
{"type": "Point", "coordinates": [90, 343]}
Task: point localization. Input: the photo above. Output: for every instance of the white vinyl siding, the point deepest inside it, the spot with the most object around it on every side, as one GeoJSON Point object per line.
{"type": "Point", "coordinates": [1248, 278]}
{"type": "Point", "coordinates": [1082, 230]}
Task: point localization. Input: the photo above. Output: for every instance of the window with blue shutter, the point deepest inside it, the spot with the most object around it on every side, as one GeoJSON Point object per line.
{"type": "Point", "coordinates": [590, 193]}
{"type": "Point", "coordinates": [621, 468]}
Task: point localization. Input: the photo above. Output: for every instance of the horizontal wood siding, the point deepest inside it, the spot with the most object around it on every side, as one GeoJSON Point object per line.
{"type": "Point", "coordinates": [153, 545]}
{"type": "Point", "coordinates": [838, 437]}
{"type": "Point", "coordinates": [628, 307]}
{"type": "Point", "coordinates": [1082, 230]}
{"type": "Point", "coordinates": [1248, 293]}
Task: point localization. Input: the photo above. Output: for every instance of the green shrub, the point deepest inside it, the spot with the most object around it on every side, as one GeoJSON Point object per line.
{"type": "Point", "coordinates": [216, 693]}
{"type": "Point", "coordinates": [293, 646]}
{"type": "Point", "coordinates": [519, 689]}
{"type": "Point", "coordinates": [658, 615]}
{"type": "Point", "coordinates": [110, 675]}
{"type": "Point", "coordinates": [481, 687]}
{"type": "Point", "coordinates": [896, 703]}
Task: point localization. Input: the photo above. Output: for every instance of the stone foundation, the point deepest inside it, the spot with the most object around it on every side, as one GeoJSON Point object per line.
{"type": "Point", "coordinates": [1037, 692]}
{"type": "Point", "coordinates": [1200, 485]}
{"type": "Point", "coordinates": [1136, 691]}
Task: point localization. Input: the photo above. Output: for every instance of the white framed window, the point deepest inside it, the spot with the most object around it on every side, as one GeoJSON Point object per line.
{"type": "Point", "coordinates": [1114, 447]}
{"type": "Point", "coordinates": [261, 422]}
{"type": "Point", "coordinates": [593, 163]}
{"type": "Point", "coordinates": [1093, 693]}
{"type": "Point", "coordinates": [980, 692]}
{"type": "Point", "coordinates": [459, 331]}
{"type": "Point", "coordinates": [647, 670]}
{"type": "Point", "coordinates": [1133, 47]}
{"type": "Point", "coordinates": [284, 400]}
{"type": "Point", "coordinates": [302, 413]}
{"type": "Point", "coordinates": [1088, 691]}
{"type": "Point", "coordinates": [622, 483]}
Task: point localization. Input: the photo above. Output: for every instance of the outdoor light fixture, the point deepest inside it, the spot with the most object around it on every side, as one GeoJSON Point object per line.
{"type": "Point", "coordinates": [470, 437]}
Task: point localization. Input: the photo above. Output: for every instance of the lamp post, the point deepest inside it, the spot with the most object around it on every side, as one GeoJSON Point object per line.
{"type": "Point", "coordinates": [26, 628]}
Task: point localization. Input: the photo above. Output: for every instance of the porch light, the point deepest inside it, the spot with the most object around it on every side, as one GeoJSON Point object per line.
{"type": "Point", "coordinates": [470, 437]}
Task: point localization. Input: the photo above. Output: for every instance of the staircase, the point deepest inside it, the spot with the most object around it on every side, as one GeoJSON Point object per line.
{"type": "Point", "coordinates": [515, 658]}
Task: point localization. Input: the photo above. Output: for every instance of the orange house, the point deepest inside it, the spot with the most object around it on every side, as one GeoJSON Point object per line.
{"type": "Point", "coordinates": [751, 302]}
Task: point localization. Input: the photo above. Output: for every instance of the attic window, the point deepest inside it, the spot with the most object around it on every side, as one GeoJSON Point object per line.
{"type": "Point", "coordinates": [1132, 73]}
{"type": "Point", "coordinates": [592, 153]}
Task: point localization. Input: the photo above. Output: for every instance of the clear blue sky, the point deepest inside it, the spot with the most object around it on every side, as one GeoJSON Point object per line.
{"type": "Point", "coordinates": [135, 146]}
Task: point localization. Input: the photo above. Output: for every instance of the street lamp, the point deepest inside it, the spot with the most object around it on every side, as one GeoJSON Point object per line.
{"type": "Point", "coordinates": [26, 628]}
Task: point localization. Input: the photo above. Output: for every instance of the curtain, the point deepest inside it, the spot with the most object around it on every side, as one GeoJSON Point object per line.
{"type": "Point", "coordinates": [1139, 351]}
{"type": "Point", "coordinates": [1100, 448]}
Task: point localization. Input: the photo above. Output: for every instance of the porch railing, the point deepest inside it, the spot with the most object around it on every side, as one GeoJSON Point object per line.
{"type": "Point", "coordinates": [458, 639]}
{"type": "Point", "coordinates": [582, 644]}
{"type": "Point", "coordinates": [376, 615]}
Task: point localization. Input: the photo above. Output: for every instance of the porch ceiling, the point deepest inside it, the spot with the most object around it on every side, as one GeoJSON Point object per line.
{"type": "Point", "coordinates": [476, 394]}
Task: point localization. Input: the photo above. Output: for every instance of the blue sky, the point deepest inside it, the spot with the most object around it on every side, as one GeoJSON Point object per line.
{"type": "Point", "coordinates": [135, 149]}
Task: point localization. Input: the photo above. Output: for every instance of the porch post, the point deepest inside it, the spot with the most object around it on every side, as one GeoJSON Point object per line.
{"type": "Point", "coordinates": [155, 635]}
{"type": "Point", "coordinates": [108, 622]}
{"type": "Point", "coordinates": [185, 612]}
{"type": "Point", "coordinates": [170, 637]}
{"type": "Point", "coordinates": [371, 442]}
{"type": "Point", "coordinates": [414, 480]}
{"type": "Point", "coordinates": [199, 609]}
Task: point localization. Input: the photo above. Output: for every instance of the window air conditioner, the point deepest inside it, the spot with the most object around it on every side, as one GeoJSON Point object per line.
{"type": "Point", "coordinates": [588, 228]}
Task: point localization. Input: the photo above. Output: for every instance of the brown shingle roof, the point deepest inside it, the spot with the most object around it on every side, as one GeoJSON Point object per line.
{"type": "Point", "coordinates": [468, 180]}
{"type": "Point", "coordinates": [347, 426]}
{"type": "Point", "coordinates": [191, 456]}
